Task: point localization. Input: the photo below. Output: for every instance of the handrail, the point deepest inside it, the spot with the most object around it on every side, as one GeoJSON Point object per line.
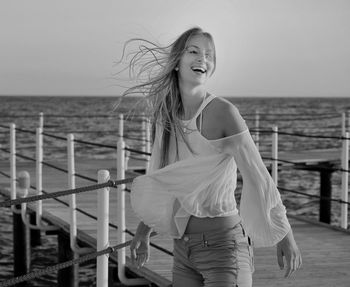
{"type": "Point", "coordinates": [59, 266]}
{"type": "Point", "coordinates": [80, 141]}
{"type": "Point", "coordinates": [137, 151]}
{"type": "Point", "coordinates": [95, 144]}
{"type": "Point", "coordinates": [54, 136]}
{"type": "Point", "coordinates": [111, 183]}
{"type": "Point", "coordinates": [73, 191]}
{"type": "Point", "coordinates": [59, 116]}
{"type": "Point", "coordinates": [280, 160]}
{"type": "Point", "coordinates": [25, 131]}
{"type": "Point", "coordinates": [314, 195]}
{"type": "Point", "coordinates": [301, 134]}
{"type": "Point", "coordinates": [121, 159]}
{"type": "Point", "coordinates": [65, 192]}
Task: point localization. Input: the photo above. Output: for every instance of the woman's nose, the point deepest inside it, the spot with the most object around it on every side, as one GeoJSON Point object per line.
{"type": "Point", "coordinates": [201, 57]}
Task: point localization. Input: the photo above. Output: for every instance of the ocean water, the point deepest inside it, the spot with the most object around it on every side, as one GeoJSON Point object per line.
{"type": "Point", "coordinates": [94, 119]}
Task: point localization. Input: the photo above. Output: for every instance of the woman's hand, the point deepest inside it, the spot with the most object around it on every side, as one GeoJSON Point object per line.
{"type": "Point", "coordinates": [288, 248]}
{"type": "Point", "coordinates": [139, 246]}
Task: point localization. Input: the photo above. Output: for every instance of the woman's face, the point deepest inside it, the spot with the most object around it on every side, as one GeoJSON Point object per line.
{"type": "Point", "coordinates": [197, 62]}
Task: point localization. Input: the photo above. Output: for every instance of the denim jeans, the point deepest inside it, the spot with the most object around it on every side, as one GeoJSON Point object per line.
{"type": "Point", "coordinates": [219, 258]}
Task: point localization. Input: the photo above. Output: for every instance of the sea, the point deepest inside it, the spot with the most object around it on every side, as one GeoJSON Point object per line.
{"type": "Point", "coordinates": [95, 119]}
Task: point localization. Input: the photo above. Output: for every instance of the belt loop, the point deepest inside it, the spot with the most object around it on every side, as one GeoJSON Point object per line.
{"type": "Point", "coordinates": [204, 240]}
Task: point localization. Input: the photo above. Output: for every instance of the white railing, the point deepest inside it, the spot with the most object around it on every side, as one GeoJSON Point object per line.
{"type": "Point", "coordinates": [121, 217]}
{"type": "Point", "coordinates": [13, 160]}
{"type": "Point", "coordinates": [102, 221]}
{"type": "Point", "coordinates": [345, 180]}
{"type": "Point", "coordinates": [257, 126]}
{"type": "Point", "coordinates": [72, 199]}
{"type": "Point", "coordinates": [274, 169]}
{"type": "Point", "coordinates": [39, 173]}
{"type": "Point", "coordinates": [103, 195]}
{"type": "Point", "coordinates": [102, 229]}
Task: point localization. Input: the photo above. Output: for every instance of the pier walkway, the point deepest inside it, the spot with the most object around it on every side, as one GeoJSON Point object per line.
{"type": "Point", "coordinates": [325, 250]}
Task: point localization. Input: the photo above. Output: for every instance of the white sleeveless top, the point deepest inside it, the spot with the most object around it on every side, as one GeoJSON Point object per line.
{"type": "Point", "coordinates": [202, 184]}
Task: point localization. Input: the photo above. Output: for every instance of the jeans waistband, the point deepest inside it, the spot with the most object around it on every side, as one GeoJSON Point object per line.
{"type": "Point", "coordinates": [212, 233]}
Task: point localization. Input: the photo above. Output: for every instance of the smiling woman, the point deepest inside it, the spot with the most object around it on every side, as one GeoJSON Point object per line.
{"type": "Point", "coordinates": [199, 140]}
{"type": "Point", "coordinates": [198, 57]}
{"type": "Point", "coordinates": [160, 69]}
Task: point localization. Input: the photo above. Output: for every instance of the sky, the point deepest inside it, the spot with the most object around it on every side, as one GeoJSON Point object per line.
{"type": "Point", "coordinates": [264, 47]}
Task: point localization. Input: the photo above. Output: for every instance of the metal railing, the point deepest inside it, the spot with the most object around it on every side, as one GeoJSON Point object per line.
{"type": "Point", "coordinates": [123, 154]}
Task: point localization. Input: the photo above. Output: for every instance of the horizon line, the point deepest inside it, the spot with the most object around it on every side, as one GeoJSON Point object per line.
{"type": "Point", "coordinates": [228, 96]}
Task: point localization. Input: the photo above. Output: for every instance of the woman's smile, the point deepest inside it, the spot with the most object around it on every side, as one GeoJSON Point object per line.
{"type": "Point", "coordinates": [197, 62]}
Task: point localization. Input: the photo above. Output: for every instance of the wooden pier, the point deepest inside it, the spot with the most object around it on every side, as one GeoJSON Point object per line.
{"type": "Point", "coordinates": [325, 250]}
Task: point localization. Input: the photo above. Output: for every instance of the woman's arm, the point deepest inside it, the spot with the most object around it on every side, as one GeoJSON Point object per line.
{"type": "Point", "coordinates": [139, 246]}
{"type": "Point", "coordinates": [288, 248]}
{"type": "Point", "coordinates": [233, 124]}
{"type": "Point", "coordinates": [261, 208]}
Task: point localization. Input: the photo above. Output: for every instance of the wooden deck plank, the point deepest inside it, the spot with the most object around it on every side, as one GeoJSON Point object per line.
{"type": "Point", "coordinates": [326, 252]}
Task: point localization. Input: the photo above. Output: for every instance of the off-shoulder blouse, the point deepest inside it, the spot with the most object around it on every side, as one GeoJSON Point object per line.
{"type": "Point", "coordinates": [203, 183]}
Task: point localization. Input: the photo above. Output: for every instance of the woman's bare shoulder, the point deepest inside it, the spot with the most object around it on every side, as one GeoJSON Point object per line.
{"type": "Point", "coordinates": [228, 115]}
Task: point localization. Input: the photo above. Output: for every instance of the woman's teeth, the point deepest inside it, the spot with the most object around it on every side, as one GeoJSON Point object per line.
{"type": "Point", "coordinates": [201, 70]}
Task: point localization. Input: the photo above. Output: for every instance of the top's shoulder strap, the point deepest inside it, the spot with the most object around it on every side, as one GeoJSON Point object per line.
{"type": "Point", "coordinates": [204, 104]}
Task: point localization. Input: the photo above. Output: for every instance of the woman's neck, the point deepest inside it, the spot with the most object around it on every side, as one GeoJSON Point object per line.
{"type": "Point", "coordinates": [192, 98]}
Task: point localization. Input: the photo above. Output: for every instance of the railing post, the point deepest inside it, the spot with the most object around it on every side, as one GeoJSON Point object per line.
{"type": "Point", "coordinates": [69, 276]}
{"type": "Point", "coordinates": [143, 134]}
{"type": "Point", "coordinates": [41, 120]}
{"type": "Point", "coordinates": [71, 185]}
{"type": "Point", "coordinates": [121, 206]}
{"type": "Point", "coordinates": [148, 142]}
{"type": "Point", "coordinates": [39, 173]}
{"type": "Point", "coordinates": [102, 229]}
{"type": "Point", "coordinates": [343, 124]}
{"type": "Point", "coordinates": [13, 160]}
{"type": "Point", "coordinates": [72, 207]}
{"type": "Point", "coordinates": [121, 218]}
{"type": "Point", "coordinates": [121, 126]}
{"type": "Point", "coordinates": [121, 135]}
{"type": "Point", "coordinates": [274, 170]}
{"type": "Point", "coordinates": [23, 187]}
{"type": "Point", "coordinates": [257, 125]}
{"type": "Point", "coordinates": [345, 180]}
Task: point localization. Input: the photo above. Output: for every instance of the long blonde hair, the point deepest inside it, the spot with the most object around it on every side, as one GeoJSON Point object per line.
{"type": "Point", "coordinates": [154, 67]}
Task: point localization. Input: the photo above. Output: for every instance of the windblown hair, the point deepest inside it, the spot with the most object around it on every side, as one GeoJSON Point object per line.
{"type": "Point", "coordinates": [153, 67]}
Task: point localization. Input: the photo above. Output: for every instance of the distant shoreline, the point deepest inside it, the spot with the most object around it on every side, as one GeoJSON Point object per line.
{"type": "Point", "coordinates": [225, 96]}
